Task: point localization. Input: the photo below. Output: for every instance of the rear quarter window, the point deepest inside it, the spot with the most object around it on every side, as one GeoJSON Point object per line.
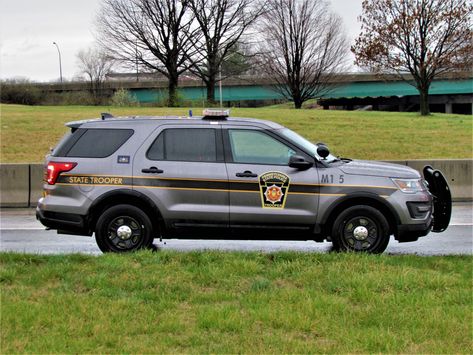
{"type": "Point", "coordinates": [185, 144]}
{"type": "Point", "coordinates": [61, 146]}
{"type": "Point", "coordinates": [92, 143]}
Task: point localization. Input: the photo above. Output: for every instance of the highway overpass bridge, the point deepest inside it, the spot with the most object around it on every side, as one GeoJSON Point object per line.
{"type": "Point", "coordinates": [451, 93]}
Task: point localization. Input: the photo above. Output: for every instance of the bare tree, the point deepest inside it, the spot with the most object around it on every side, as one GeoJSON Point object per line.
{"type": "Point", "coordinates": [422, 37]}
{"type": "Point", "coordinates": [303, 48]}
{"type": "Point", "coordinates": [95, 64]}
{"type": "Point", "coordinates": [153, 34]}
{"type": "Point", "coordinates": [221, 24]}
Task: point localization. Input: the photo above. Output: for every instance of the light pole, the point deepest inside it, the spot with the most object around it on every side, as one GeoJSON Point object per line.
{"type": "Point", "coordinates": [220, 84]}
{"type": "Point", "coordinates": [60, 63]}
{"type": "Point", "coordinates": [136, 57]}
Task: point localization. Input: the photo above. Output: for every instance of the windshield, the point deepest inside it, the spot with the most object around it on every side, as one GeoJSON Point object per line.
{"type": "Point", "coordinates": [309, 147]}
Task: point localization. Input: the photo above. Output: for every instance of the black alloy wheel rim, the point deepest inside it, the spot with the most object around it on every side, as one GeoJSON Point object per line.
{"type": "Point", "coordinates": [124, 233]}
{"type": "Point", "coordinates": [360, 233]}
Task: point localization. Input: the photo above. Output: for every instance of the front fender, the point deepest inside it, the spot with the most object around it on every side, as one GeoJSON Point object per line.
{"type": "Point", "coordinates": [359, 198]}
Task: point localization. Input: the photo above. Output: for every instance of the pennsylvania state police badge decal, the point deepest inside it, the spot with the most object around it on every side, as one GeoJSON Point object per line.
{"type": "Point", "coordinates": [274, 187]}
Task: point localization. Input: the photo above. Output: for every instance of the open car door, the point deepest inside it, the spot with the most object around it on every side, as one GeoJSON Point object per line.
{"type": "Point", "coordinates": [440, 190]}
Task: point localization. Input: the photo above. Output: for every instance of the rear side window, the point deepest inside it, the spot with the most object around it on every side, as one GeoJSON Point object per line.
{"type": "Point", "coordinates": [93, 143]}
{"type": "Point", "coordinates": [185, 144]}
{"type": "Point", "coordinates": [60, 148]}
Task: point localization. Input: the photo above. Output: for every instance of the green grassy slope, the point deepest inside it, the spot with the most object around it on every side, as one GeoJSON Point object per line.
{"type": "Point", "coordinates": [27, 132]}
{"type": "Point", "coordinates": [216, 302]}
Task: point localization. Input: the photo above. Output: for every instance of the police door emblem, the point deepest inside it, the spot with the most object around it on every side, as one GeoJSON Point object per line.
{"type": "Point", "coordinates": [274, 187]}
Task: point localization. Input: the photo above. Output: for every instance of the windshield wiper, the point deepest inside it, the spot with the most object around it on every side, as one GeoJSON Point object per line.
{"type": "Point", "coordinates": [346, 160]}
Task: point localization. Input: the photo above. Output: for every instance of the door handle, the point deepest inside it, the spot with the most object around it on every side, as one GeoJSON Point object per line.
{"type": "Point", "coordinates": [152, 170]}
{"type": "Point", "coordinates": [246, 173]}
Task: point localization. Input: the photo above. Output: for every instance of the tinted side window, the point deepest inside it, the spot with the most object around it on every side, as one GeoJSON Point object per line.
{"type": "Point", "coordinates": [99, 143]}
{"type": "Point", "coordinates": [185, 144]}
{"type": "Point", "coordinates": [256, 147]}
{"type": "Point", "coordinates": [62, 147]}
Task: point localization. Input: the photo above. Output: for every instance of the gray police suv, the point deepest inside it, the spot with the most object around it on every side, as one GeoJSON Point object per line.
{"type": "Point", "coordinates": [132, 179]}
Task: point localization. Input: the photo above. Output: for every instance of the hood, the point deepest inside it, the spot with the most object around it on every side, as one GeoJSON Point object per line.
{"type": "Point", "coordinates": [376, 168]}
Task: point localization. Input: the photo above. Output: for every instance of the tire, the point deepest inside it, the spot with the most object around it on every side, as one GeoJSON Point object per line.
{"type": "Point", "coordinates": [123, 228]}
{"type": "Point", "coordinates": [361, 229]}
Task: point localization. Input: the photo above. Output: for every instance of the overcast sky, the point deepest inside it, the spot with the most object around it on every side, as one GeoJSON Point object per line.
{"type": "Point", "coordinates": [28, 29]}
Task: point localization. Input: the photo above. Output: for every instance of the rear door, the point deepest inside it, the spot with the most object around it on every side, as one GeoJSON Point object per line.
{"type": "Point", "coordinates": [267, 197]}
{"type": "Point", "coordinates": [181, 167]}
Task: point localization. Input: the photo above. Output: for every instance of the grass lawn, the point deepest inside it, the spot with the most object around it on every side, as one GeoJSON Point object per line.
{"type": "Point", "coordinates": [27, 132]}
{"type": "Point", "coordinates": [222, 302]}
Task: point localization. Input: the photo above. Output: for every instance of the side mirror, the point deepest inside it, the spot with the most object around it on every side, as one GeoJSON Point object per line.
{"type": "Point", "coordinates": [298, 162]}
{"type": "Point", "coordinates": [322, 151]}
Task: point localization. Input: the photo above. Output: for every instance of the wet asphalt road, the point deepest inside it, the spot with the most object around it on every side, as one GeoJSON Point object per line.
{"type": "Point", "coordinates": [20, 232]}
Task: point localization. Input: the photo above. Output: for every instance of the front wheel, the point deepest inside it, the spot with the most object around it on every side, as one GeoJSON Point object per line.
{"type": "Point", "coordinates": [123, 228]}
{"type": "Point", "coordinates": [361, 229]}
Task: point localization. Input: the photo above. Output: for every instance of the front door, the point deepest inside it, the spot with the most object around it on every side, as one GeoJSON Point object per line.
{"type": "Point", "coordinates": [182, 169]}
{"type": "Point", "coordinates": [267, 197]}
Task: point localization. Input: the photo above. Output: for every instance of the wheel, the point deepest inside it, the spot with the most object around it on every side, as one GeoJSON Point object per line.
{"type": "Point", "coordinates": [361, 229]}
{"type": "Point", "coordinates": [123, 228]}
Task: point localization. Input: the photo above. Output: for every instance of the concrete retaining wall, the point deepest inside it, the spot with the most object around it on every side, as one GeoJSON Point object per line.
{"type": "Point", "coordinates": [14, 185]}
{"type": "Point", "coordinates": [21, 184]}
{"type": "Point", "coordinates": [36, 183]}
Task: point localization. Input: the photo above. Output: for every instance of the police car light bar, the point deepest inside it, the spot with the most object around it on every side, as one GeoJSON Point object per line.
{"type": "Point", "coordinates": [214, 113]}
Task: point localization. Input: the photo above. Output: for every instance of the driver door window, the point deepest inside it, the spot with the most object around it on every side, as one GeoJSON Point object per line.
{"type": "Point", "coordinates": [255, 147]}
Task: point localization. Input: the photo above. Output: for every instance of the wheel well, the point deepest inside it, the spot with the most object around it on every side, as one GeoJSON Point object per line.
{"type": "Point", "coordinates": [127, 198]}
{"type": "Point", "coordinates": [390, 215]}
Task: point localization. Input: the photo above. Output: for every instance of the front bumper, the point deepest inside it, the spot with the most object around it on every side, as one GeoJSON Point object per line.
{"type": "Point", "coordinates": [412, 232]}
{"type": "Point", "coordinates": [439, 219]}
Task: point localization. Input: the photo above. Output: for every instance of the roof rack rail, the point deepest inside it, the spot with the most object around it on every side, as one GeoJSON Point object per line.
{"type": "Point", "coordinates": [215, 114]}
{"type": "Point", "coordinates": [105, 115]}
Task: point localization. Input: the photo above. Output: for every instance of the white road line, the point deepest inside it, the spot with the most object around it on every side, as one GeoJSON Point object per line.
{"type": "Point", "coordinates": [22, 229]}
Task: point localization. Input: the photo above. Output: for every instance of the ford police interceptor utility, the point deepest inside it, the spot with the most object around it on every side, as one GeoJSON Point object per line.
{"type": "Point", "coordinates": [132, 179]}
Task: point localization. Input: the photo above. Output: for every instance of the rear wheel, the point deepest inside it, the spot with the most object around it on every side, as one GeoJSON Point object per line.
{"type": "Point", "coordinates": [361, 229]}
{"type": "Point", "coordinates": [123, 228]}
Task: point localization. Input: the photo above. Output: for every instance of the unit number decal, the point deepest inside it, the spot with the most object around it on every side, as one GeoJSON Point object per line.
{"type": "Point", "coordinates": [274, 188]}
{"type": "Point", "coordinates": [329, 179]}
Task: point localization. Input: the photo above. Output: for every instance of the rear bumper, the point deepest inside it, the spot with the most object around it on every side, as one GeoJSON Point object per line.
{"type": "Point", "coordinates": [64, 223]}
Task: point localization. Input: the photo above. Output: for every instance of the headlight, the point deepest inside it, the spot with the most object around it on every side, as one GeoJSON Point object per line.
{"type": "Point", "coordinates": [409, 186]}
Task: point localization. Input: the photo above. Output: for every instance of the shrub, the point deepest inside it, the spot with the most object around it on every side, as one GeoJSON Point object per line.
{"type": "Point", "coordinates": [123, 97]}
{"type": "Point", "coordinates": [162, 99]}
{"type": "Point", "coordinates": [68, 98]}
{"type": "Point", "coordinates": [21, 92]}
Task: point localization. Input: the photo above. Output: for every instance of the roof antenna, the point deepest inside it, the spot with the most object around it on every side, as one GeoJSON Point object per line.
{"type": "Point", "coordinates": [106, 115]}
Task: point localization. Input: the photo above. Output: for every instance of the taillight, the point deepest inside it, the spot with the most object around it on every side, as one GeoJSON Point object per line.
{"type": "Point", "coordinates": [55, 168]}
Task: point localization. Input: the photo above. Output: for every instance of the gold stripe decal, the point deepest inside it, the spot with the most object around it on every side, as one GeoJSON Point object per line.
{"type": "Point", "coordinates": [273, 186]}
